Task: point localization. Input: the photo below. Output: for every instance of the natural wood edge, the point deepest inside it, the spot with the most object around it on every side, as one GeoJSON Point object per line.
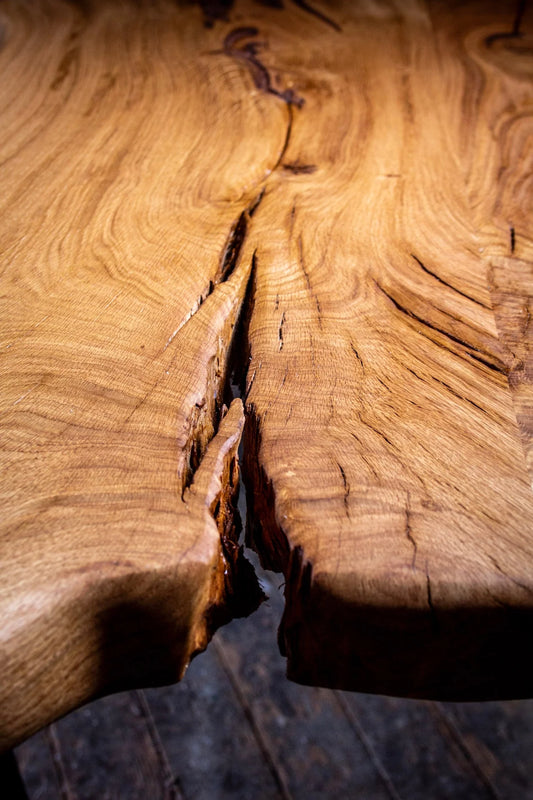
{"type": "Point", "coordinates": [235, 590]}
{"type": "Point", "coordinates": [462, 651]}
{"type": "Point", "coordinates": [145, 628]}
{"type": "Point", "coordinates": [137, 622]}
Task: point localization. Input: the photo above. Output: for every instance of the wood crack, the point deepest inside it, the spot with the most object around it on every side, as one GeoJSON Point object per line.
{"type": "Point", "coordinates": [457, 394]}
{"type": "Point", "coordinates": [434, 620]}
{"type": "Point", "coordinates": [408, 532]}
{"type": "Point", "coordinates": [335, 426]}
{"type": "Point", "coordinates": [346, 486]}
{"type": "Point", "coordinates": [248, 53]}
{"type": "Point", "coordinates": [229, 260]}
{"type": "Point", "coordinates": [305, 6]}
{"type": "Point", "coordinates": [280, 332]}
{"type": "Point", "coordinates": [445, 283]}
{"type": "Point", "coordinates": [236, 238]}
{"type": "Point", "coordinates": [516, 29]}
{"type": "Point", "coordinates": [471, 350]}
{"type": "Point", "coordinates": [234, 47]}
{"type": "Point", "coordinates": [520, 585]}
{"type": "Point", "coordinates": [308, 281]}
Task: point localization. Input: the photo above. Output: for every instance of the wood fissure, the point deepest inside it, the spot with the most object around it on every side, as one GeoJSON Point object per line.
{"type": "Point", "coordinates": [248, 53]}
{"type": "Point", "coordinates": [450, 346]}
{"type": "Point", "coordinates": [478, 355]}
{"type": "Point", "coordinates": [453, 288]}
{"type": "Point", "coordinates": [515, 32]}
{"type": "Point", "coordinates": [331, 200]}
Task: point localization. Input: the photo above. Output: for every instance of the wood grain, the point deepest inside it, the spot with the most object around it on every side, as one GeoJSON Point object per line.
{"type": "Point", "coordinates": [357, 178]}
{"type": "Point", "coordinates": [390, 344]}
{"type": "Point", "coordinates": [121, 288]}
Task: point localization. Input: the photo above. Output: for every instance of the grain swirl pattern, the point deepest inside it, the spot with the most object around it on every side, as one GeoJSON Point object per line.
{"type": "Point", "coordinates": [353, 182]}
{"type": "Point", "coordinates": [121, 289]}
{"type": "Point", "coordinates": [389, 383]}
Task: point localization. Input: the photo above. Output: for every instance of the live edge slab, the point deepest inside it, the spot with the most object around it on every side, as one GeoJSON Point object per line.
{"type": "Point", "coordinates": [332, 201]}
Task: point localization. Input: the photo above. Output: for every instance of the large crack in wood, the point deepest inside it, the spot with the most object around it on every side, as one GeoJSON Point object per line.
{"type": "Point", "coordinates": [155, 611]}
{"type": "Point", "coordinates": [208, 410]}
{"type": "Point", "coordinates": [235, 590]}
{"type": "Point", "coordinates": [345, 624]}
{"type": "Point", "coordinates": [329, 342]}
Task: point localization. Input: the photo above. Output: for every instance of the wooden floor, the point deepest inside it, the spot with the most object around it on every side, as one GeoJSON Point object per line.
{"type": "Point", "coordinates": [236, 728]}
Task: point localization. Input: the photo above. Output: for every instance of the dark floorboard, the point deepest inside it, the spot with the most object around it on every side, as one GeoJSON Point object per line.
{"type": "Point", "coordinates": [236, 728]}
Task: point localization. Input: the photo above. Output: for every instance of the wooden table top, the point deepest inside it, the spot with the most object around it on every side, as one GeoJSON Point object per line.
{"type": "Point", "coordinates": [332, 203]}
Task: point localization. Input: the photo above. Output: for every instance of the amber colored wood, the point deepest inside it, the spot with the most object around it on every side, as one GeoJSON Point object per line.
{"type": "Point", "coordinates": [389, 391]}
{"type": "Point", "coordinates": [121, 287]}
{"type": "Point", "coordinates": [354, 179]}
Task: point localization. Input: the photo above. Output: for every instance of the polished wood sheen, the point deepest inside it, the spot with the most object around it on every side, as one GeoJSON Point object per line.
{"type": "Point", "coordinates": [351, 181]}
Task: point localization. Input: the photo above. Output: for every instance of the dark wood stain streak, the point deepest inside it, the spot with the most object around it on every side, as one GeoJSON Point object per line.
{"type": "Point", "coordinates": [346, 489]}
{"type": "Point", "coordinates": [107, 85]}
{"type": "Point", "coordinates": [449, 285]}
{"type": "Point", "coordinates": [318, 14]}
{"type": "Point", "coordinates": [261, 77]}
{"type": "Point", "coordinates": [516, 29]}
{"type": "Point", "coordinates": [299, 169]}
{"type": "Point", "coordinates": [408, 99]}
{"type": "Point", "coordinates": [512, 237]}
{"type": "Point", "coordinates": [293, 215]}
{"type": "Point", "coordinates": [472, 351]}
{"type": "Point", "coordinates": [64, 67]}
